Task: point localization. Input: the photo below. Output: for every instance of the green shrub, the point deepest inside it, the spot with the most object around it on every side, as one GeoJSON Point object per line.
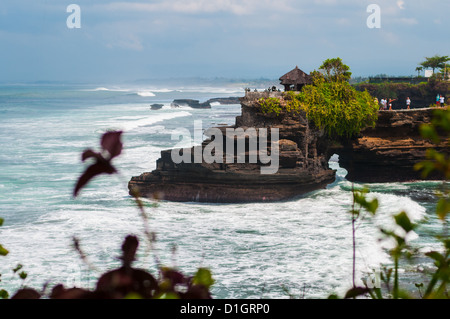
{"type": "Point", "coordinates": [337, 107]}
{"type": "Point", "coordinates": [270, 105]}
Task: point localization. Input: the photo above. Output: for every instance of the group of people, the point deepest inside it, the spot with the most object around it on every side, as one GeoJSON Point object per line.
{"type": "Point", "coordinates": [385, 103]}
{"type": "Point", "coordinates": [272, 89]}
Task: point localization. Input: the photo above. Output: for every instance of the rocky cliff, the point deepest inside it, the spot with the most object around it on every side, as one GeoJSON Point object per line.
{"type": "Point", "coordinates": [389, 151]}
{"type": "Point", "coordinates": [302, 167]}
{"type": "Point", "coordinates": [385, 153]}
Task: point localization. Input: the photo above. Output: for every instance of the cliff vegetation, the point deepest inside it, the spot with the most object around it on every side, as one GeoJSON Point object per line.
{"type": "Point", "coordinates": [330, 102]}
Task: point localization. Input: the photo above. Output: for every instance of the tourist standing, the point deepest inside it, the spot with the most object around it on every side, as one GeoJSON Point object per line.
{"type": "Point", "coordinates": [390, 103]}
{"type": "Point", "coordinates": [408, 102]}
{"type": "Point", "coordinates": [442, 100]}
{"type": "Point", "coordinates": [438, 100]}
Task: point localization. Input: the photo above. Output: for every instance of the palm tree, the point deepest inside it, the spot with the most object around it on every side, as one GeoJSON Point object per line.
{"type": "Point", "coordinates": [419, 69]}
{"type": "Point", "coordinates": [435, 62]}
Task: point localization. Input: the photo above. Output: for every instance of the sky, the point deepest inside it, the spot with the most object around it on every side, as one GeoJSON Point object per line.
{"type": "Point", "coordinates": [122, 41]}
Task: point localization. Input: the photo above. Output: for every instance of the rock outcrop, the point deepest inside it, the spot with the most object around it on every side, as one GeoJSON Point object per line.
{"type": "Point", "coordinates": [303, 164]}
{"type": "Point", "coordinates": [207, 104]}
{"type": "Point", "coordinates": [156, 106]}
{"type": "Point", "coordinates": [385, 153]}
{"type": "Point", "coordinates": [389, 151]}
{"type": "Point", "coordinates": [191, 103]}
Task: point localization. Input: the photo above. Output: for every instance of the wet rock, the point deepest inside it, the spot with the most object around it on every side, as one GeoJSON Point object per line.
{"type": "Point", "coordinates": [190, 103]}
{"type": "Point", "coordinates": [156, 106]}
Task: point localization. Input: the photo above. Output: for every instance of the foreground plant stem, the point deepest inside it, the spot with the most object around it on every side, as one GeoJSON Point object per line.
{"type": "Point", "coordinates": [353, 238]}
{"type": "Point", "coordinates": [395, 293]}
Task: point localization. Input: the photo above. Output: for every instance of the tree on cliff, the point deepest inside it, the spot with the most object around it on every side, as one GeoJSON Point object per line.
{"type": "Point", "coordinates": [419, 69]}
{"type": "Point", "coordinates": [335, 70]}
{"type": "Point", "coordinates": [337, 108]}
{"type": "Point", "coordinates": [331, 103]}
{"type": "Point", "coordinates": [435, 62]}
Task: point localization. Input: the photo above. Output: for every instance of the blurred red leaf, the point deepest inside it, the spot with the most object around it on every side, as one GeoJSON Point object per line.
{"type": "Point", "coordinates": [90, 153]}
{"type": "Point", "coordinates": [197, 292]}
{"type": "Point", "coordinates": [59, 292]}
{"type": "Point", "coordinates": [26, 293]}
{"type": "Point", "coordinates": [111, 143]}
{"type": "Point", "coordinates": [100, 167]}
{"type": "Point", "coordinates": [129, 248]}
{"type": "Point", "coordinates": [356, 292]}
{"type": "Point", "coordinates": [174, 276]}
{"type": "Point", "coordinates": [120, 282]}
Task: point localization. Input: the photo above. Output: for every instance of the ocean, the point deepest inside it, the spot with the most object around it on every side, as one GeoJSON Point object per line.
{"type": "Point", "coordinates": [300, 248]}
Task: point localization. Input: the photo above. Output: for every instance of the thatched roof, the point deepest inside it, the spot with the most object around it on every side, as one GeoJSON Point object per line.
{"type": "Point", "coordinates": [296, 76]}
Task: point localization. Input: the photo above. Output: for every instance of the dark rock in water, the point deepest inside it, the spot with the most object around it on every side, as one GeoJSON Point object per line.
{"type": "Point", "coordinates": [191, 103]}
{"type": "Point", "coordinates": [421, 196]}
{"type": "Point", "coordinates": [156, 106]}
{"type": "Point", "coordinates": [205, 105]}
{"type": "Point", "coordinates": [203, 183]}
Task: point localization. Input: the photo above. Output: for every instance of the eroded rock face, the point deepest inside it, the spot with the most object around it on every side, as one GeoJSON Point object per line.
{"type": "Point", "coordinates": [385, 153]}
{"type": "Point", "coordinates": [303, 165]}
{"type": "Point", "coordinates": [388, 152]}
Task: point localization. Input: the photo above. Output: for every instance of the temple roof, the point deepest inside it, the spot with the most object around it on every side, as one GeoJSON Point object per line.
{"type": "Point", "coordinates": [296, 76]}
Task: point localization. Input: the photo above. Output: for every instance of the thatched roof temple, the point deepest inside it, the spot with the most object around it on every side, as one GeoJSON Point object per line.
{"type": "Point", "coordinates": [295, 80]}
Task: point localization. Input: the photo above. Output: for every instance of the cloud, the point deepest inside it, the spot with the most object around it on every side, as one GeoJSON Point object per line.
{"type": "Point", "coordinates": [326, 2]}
{"type": "Point", "coordinates": [242, 7]}
{"type": "Point", "coordinates": [126, 41]}
{"type": "Point", "coordinates": [215, 37]}
{"type": "Point", "coordinates": [408, 21]}
{"type": "Point", "coordinates": [343, 22]}
{"type": "Point", "coordinates": [391, 38]}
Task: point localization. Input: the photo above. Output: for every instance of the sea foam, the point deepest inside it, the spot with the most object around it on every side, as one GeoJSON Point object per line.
{"type": "Point", "coordinates": [146, 94]}
{"type": "Point", "coordinates": [135, 123]}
